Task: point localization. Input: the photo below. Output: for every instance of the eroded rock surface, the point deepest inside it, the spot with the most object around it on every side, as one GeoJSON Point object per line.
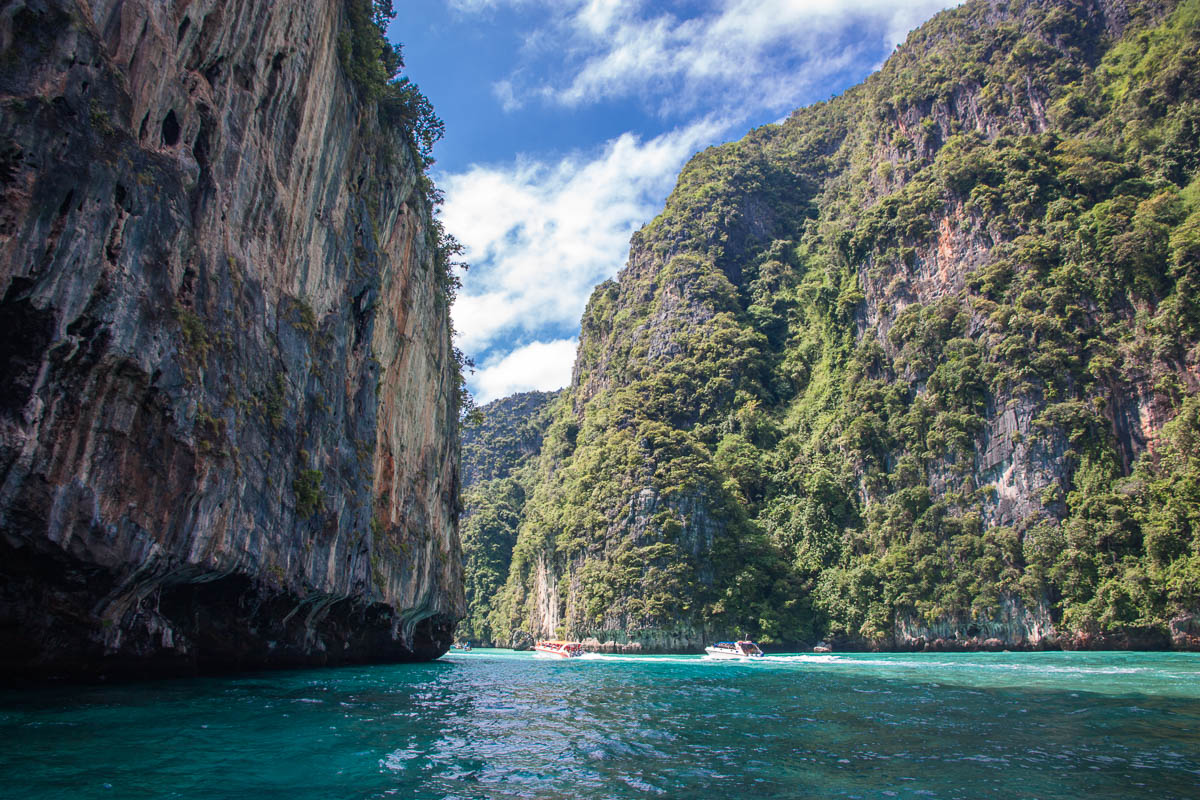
{"type": "Point", "coordinates": [228, 416]}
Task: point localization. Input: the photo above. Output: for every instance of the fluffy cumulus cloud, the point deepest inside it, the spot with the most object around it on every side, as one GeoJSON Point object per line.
{"type": "Point", "coordinates": [764, 52]}
{"type": "Point", "coordinates": [539, 236]}
{"type": "Point", "coordinates": [538, 365]}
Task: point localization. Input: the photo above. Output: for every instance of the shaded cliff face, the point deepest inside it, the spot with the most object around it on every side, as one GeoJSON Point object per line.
{"type": "Point", "coordinates": [228, 420]}
{"type": "Point", "coordinates": [917, 367]}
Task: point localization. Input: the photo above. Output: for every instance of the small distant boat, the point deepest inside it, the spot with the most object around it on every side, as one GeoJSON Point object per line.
{"type": "Point", "coordinates": [465, 646]}
{"type": "Point", "coordinates": [742, 649]}
{"type": "Point", "coordinates": [557, 649]}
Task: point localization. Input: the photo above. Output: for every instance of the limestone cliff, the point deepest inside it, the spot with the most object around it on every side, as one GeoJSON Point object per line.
{"type": "Point", "coordinates": [229, 406]}
{"type": "Point", "coordinates": [919, 366]}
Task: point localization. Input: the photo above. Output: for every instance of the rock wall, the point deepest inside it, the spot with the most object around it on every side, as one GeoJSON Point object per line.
{"type": "Point", "coordinates": [228, 418]}
{"type": "Point", "coordinates": [1013, 625]}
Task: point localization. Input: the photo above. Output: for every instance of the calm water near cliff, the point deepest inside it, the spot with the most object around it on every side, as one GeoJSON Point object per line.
{"type": "Point", "coordinates": [495, 724]}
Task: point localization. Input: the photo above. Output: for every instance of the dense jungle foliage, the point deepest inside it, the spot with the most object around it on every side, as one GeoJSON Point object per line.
{"type": "Point", "coordinates": [921, 353]}
{"type": "Point", "coordinates": [499, 448]}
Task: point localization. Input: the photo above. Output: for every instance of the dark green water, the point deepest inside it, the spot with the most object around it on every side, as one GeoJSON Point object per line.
{"type": "Point", "coordinates": [494, 724]}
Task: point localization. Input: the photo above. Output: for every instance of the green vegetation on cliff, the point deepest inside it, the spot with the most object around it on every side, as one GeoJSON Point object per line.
{"type": "Point", "coordinates": [371, 62]}
{"type": "Point", "coordinates": [498, 450]}
{"type": "Point", "coordinates": [917, 356]}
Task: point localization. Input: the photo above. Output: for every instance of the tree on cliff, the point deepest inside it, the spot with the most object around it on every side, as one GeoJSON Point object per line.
{"type": "Point", "coordinates": [372, 63]}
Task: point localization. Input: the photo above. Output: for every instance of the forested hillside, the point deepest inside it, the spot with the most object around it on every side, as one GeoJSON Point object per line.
{"type": "Point", "coordinates": [500, 444]}
{"type": "Point", "coordinates": [916, 367]}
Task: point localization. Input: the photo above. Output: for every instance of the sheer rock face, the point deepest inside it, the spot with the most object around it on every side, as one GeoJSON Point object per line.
{"type": "Point", "coordinates": [227, 422]}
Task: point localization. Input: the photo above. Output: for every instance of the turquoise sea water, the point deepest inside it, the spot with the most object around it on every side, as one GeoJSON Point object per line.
{"type": "Point", "coordinates": [496, 724]}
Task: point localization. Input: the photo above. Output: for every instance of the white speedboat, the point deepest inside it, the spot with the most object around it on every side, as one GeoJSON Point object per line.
{"type": "Point", "coordinates": [743, 649]}
{"type": "Point", "coordinates": [556, 649]}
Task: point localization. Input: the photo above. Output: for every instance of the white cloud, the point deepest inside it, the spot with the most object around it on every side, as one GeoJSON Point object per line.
{"type": "Point", "coordinates": [473, 6]}
{"type": "Point", "coordinates": [598, 16]}
{"type": "Point", "coordinates": [503, 90]}
{"type": "Point", "coordinates": [539, 236]}
{"type": "Point", "coordinates": [770, 53]}
{"type": "Point", "coordinates": [544, 366]}
{"type": "Point", "coordinates": [541, 233]}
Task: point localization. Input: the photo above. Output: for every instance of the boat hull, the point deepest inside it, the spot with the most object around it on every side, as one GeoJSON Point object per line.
{"type": "Point", "coordinates": [557, 650]}
{"type": "Point", "coordinates": [712, 652]}
{"type": "Point", "coordinates": [732, 654]}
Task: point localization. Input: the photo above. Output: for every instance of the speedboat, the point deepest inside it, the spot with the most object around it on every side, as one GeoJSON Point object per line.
{"type": "Point", "coordinates": [553, 648]}
{"type": "Point", "coordinates": [743, 649]}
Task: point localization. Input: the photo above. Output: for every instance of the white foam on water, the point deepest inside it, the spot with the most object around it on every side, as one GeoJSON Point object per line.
{"type": "Point", "coordinates": [620, 657]}
{"type": "Point", "coordinates": [923, 663]}
{"type": "Point", "coordinates": [398, 760]}
{"type": "Point", "coordinates": [801, 659]}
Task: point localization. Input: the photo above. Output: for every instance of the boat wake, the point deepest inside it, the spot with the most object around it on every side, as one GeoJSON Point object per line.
{"type": "Point", "coordinates": [628, 657]}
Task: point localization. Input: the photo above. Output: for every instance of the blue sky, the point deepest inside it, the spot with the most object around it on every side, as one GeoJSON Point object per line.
{"type": "Point", "coordinates": [567, 122]}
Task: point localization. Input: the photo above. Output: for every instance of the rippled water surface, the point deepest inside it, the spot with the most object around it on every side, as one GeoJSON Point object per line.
{"type": "Point", "coordinates": [495, 724]}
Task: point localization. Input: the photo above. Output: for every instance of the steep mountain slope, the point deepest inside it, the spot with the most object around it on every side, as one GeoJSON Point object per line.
{"type": "Point", "coordinates": [500, 449]}
{"type": "Point", "coordinates": [229, 407]}
{"type": "Point", "coordinates": [504, 436]}
{"type": "Point", "coordinates": [916, 367]}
